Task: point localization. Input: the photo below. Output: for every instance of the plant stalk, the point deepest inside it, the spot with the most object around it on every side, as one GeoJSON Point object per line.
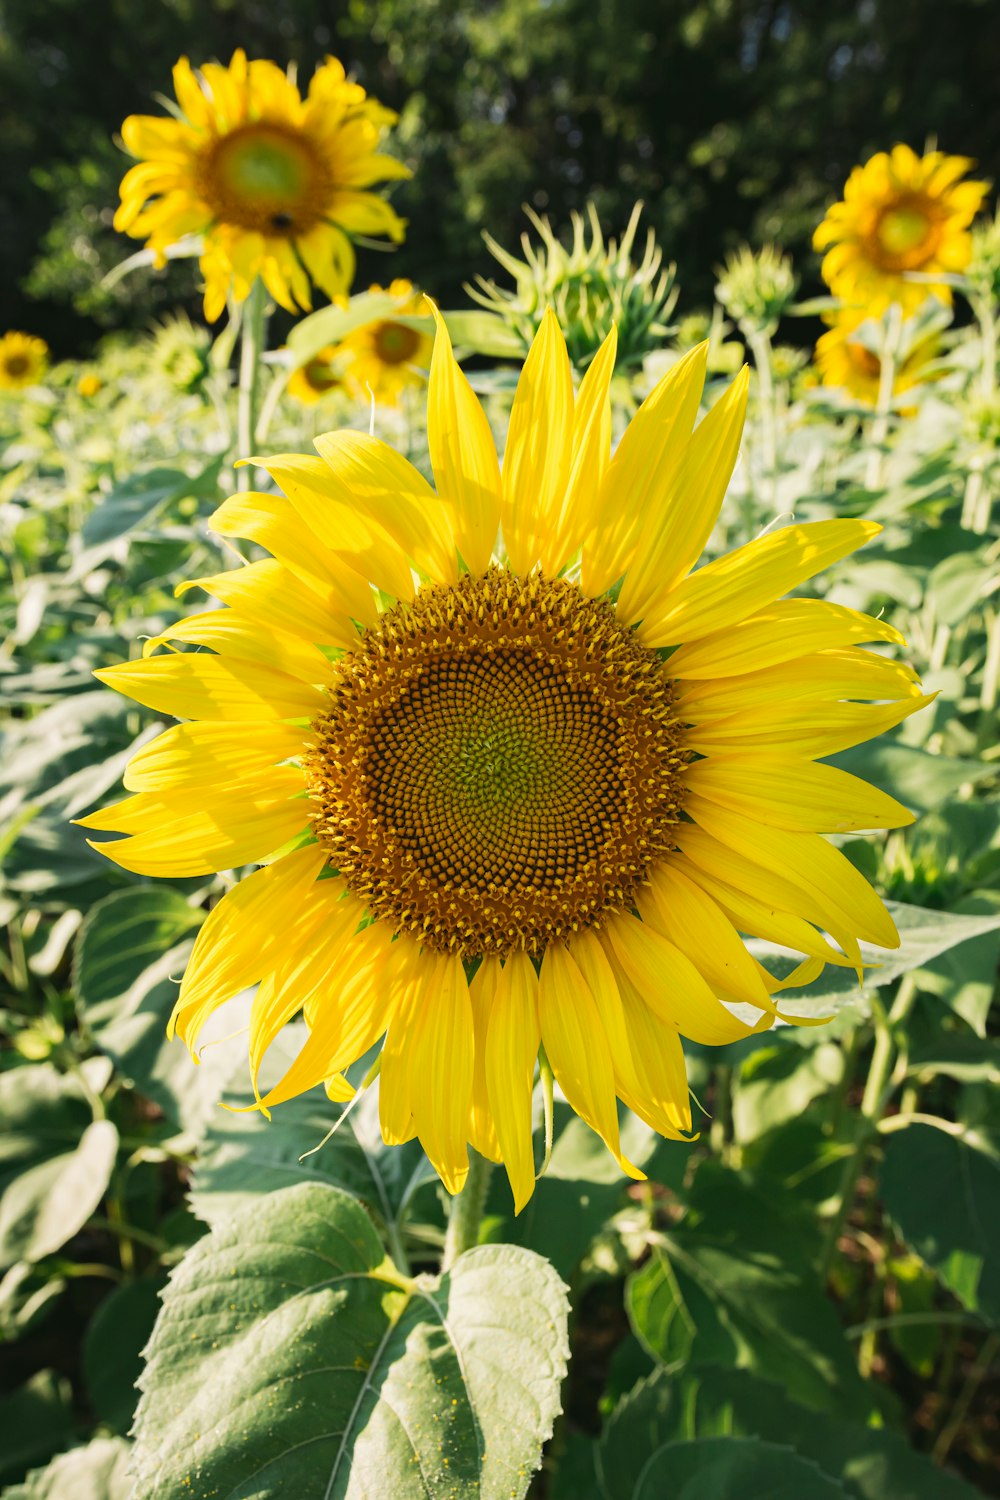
{"type": "Point", "coordinates": [466, 1211]}
{"type": "Point", "coordinates": [879, 432]}
{"type": "Point", "coordinates": [252, 347]}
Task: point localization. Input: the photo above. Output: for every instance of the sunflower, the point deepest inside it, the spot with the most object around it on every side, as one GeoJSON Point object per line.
{"type": "Point", "coordinates": [23, 361]}
{"type": "Point", "coordinates": [900, 213]}
{"type": "Point", "coordinates": [514, 774]}
{"type": "Point", "coordinates": [843, 360]}
{"type": "Point", "coordinates": [382, 358]}
{"type": "Point", "coordinates": [273, 183]}
{"type": "Point", "coordinates": [317, 377]}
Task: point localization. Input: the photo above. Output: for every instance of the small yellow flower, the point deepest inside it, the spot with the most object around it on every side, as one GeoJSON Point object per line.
{"type": "Point", "coordinates": [88, 385]}
{"type": "Point", "coordinates": [23, 361]}
{"type": "Point", "coordinates": [844, 360]}
{"type": "Point", "coordinates": [900, 213]}
{"type": "Point", "coordinates": [513, 795]}
{"type": "Point", "coordinates": [316, 378]}
{"type": "Point", "coordinates": [382, 358]}
{"type": "Point", "coordinates": [273, 182]}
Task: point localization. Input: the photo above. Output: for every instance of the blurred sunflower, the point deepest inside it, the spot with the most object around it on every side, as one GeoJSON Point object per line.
{"type": "Point", "coordinates": [900, 213]}
{"type": "Point", "coordinates": [23, 361]}
{"type": "Point", "coordinates": [88, 385]}
{"type": "Point", "coordinates": [382, 358]}
{"type": "Point", "coordinates": [273, 182]}
{"type": "Point", "coordinates": [316, 378]}
{"type": "Point", "coordinates": [844, 359]}
{"type": "Point", "coordinates": [500, 801]}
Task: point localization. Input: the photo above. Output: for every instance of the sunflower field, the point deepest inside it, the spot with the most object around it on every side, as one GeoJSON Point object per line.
{"type": "Point", "coordinates": [500, 840]}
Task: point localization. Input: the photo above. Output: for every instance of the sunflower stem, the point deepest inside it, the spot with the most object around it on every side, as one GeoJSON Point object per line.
{"type": "Point", "coordinates": [466, 1212]}
{"type": "Point", "coordinates": [879, 433]}
{"type": "Point", "coordinates": [252, 346]}
{"type": "Point", "coordinates": [760, 347]}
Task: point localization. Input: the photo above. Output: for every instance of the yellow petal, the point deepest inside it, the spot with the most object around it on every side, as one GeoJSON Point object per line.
{"type": "Point", "coordinates": [822, 729]}
{"type": "Point", "coordinates": [815, 865]}
{"type": "Point", "coordinates": [385, 486]}
{"type": "Point", "coordinates": [395, 1102]}
{"type": "Point", "coordinates": [687, 915]}
{"type": "Point", "coordinates": [511, 1049]}
{"type": "Point", "coordinates": [724, 592]}
{"type": "Point", "coordinates": [267, 593]}
{"type": "Point", "coordinates": [463, 455]}
{"type": "Point", "coordinates": [577, 1048]}
{"type": "Point", "coordinates": [240, 936]}
{"type": "Point", "coordinates": [210, 755]}
{"type": "Point", "coordinates": [537, 457]}
{"type": "Point", "coordinates": [682, 506]}
{"type": "Point", "coordinates": [670, 984]}
{"type": "Point", "coordinates": [229, 633]}
{"type": "Point", "coordinates": [589, 453]}
{"type": "Point", "coordinates": [439, 1060]}
{"type": "Point", "coordinates": [788, 629]}
{"type": "Point", "coordinates": [827, 676]}
{"type": "Point", "coordinates": [192, 686]}
{"type": "Point", "coordinates": [649, 453]}
{"type": "Point", "coordinates": [482, 990]}
{"type": "Point", "coordinates": [786, 792]}
{"type": "Point", "coordinates": [663, 1098]}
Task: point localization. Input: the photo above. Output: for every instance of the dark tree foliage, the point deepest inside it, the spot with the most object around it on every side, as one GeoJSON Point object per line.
{"type": "Point", "coordinates": [733, 119]}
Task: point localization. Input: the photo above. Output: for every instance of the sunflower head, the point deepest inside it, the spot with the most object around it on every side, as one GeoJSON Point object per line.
{"type": "Point", "coordinates": [273, 182]}
{"type": "Point", "coordinates": [516, 773]}
{"type": "Point", "coordinates": [320, 376]}
{"type": "Point", "coordinates": [88, 385]}
{"type": "Point", "coordinates": [900, 214]}
{"type": "Point", "coordinates": [179, 351]}
{"type": "Point", "coordinates": [847, 356]}
{"type": "Point", "coordinates": [592, 286]}
{"type": "Point", "coordinates": [23, 361]}
{"type": "Point", "coordinates": [383, 358]}
{"type": "Point", "coordinates": [757, 287]}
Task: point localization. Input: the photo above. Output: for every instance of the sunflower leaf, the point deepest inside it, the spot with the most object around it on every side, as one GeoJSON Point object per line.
{"type": "Point", "coordinates": [290, 1358]}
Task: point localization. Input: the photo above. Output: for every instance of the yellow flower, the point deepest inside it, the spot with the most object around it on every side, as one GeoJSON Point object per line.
{"type": "Point", "coordinates": [23, 361]}
{"type": "Point", "coordinates": [842, 359]}
{"type": "Point", "coordinates": [273, 182]}
{"type": "Point", "coordinates": [900, 213]}
{"type": "Point", "coordinates": [382, 358]}
{"type": "Point", "coordinates": [499, 801]}
{"type": "Point", "coordinates": [88, 385]}
{"type": "Point", "coordinates": [316, 378]}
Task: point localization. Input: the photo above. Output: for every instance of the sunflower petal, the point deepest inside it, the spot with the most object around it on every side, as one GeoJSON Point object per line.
{"type": "Point", "coordinates": [537, 458]}
{"type": "Point", "coordinates": [482, 991]}
{"type": "Point", "coordinates": [463, 455]}
{"type": "Point", "coordinates": [192, 686]}
{"type": "Point", "coordinates": [511, 1049]}
{"type": "Point", "coordinates": [440, 1062]}
{"type": "Point", "coordinates": [798, 795]}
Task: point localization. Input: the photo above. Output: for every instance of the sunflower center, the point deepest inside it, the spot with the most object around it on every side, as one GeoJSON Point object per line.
{"type": "Point", "coordinates": [265, 178]}
{"type": "Point", "coordinates": [320, 375]}
{"type": "Point", "coordinates": [907, 235]}
{"type": "Point", "coordinates": [395, 343]}
{"type": "Point", "coordinates": [864, 361]}
{"type": "Point", "coordinates": [497, 766]}
{"type": "Point", "coordinates": [17, 364]}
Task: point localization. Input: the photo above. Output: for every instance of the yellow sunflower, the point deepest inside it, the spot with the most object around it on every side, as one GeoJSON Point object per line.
{"type": "Point", "coordinates": [515, 775]}
{"type": "Point", "coordinates": [843, 360]}
{"type": "Point", "coordinates": [273, 182]}
{"type": "Point", "coordinates": [316, 378]}
{"type": "Point", "coordinates": [23, 361]}
{"type": "Point", "coordinates": [900, 213]}
{"type": "Point", "coordinates": [382, 358]}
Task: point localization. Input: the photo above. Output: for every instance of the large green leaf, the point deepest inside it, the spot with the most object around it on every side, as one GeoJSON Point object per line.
{"type": "Point", "coordinates": [871, 1463]}
{"type": "Point", "coordinates": [944, 1196]}
{"type": "Point", "coordinates": [920, 780]}
{"type": "Point", "coordinates": [291, 1359]}
{"type": "Point", "coordinates": [243, 1156]}
{"type": "Point", "coordinates": [729, 1468]}
{"type": "Point", "coordinates": [45, 1206]}
{"type": "Point", "coordinates": [331, 324]}
{"type": "Point", "coordinates": [36, 1421]}
{"type": "Point", "coordinates": [112, 1349]}
{"type": "Point", "coordinates": [121, 938]}
{"type": "Point", "coordinates": [97, 1472]}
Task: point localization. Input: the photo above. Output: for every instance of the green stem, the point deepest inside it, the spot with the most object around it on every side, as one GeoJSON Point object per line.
{"type": "Point", "coordinates": [760, 346]}
{"type": "Point", "coordinates": [252, 344]}
{"type": "Point", "coordinates": [887, 378]}
{"type": "Point", "coordinates": [873, 1102]}
{"type": "Point", "coordinates": [466, 1211]}
{"type": "Point", "coordinates": [966, 1395]}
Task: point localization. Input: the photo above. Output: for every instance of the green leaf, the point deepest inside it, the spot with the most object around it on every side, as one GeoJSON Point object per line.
{"type": "Point", "coordinates": [36, 1421]}
{"type": "Point", "coordinates": [484, 333]}
{"type": "Point", "coordinates": [121, 939]}
{"type": "Point", "coordinates": [919, 780]}
{"type": "Point", "coordinates": [778, 1083]}
{"type": "Point", "coordinates": [728, 1468]}
{"type": "Point", "coordinates": [243, 1156]}
{"type": "Point", "coordinates": [290, 1358]}
{"type": "Point", "coordinates": [97, 1472]}
{"type": "Point", "coordinates": [944, 1196]}
{"type": "Point", "coordinates": [332, 324]}
{"type": "Point", "coordinates": [112, 1349]}
{"type": "Point", "coordinates": [871, 1463]}
{"type": "Point", "coordinates": [924, 934]}
{"type": "Point", "coordinates": [47, 1205]}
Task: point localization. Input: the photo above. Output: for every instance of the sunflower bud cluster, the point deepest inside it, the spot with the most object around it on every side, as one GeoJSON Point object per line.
{"type": "Point", "coordinates": [592, 286]}
{"type": "Point", "coordinates": [756, 288]}
{"type": "Point", "coordinates": [983, 271]}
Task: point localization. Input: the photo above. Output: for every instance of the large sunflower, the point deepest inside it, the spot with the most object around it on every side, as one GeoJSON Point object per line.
{"type": "Point", "coordinates": [23, 361]}
{"type": "Point", "coordinates": [382, 358]}
{"type": "Point", "coordinates": [900, 213]}
{"type": "Point", "coordinates": [519, 792]}
{"type": "Point", "coordinates": [273, 182]}
{"type": "Point", "coordinates": [844, 360]}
